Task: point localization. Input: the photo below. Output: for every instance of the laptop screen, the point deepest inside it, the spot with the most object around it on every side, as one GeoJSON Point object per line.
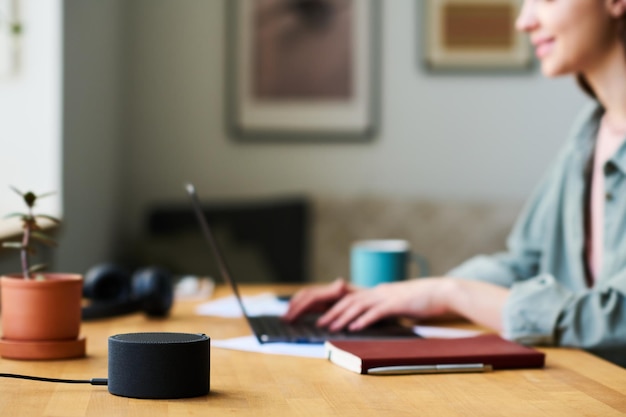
{"type": "Point", "coordinates": [208, 234]}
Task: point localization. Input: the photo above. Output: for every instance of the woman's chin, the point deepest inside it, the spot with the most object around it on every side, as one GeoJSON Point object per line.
{"type": "Point", "coordinates": [552, 71]}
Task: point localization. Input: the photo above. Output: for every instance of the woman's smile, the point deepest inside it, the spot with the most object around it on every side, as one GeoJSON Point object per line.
{"type": "Point", "coordinates": [543, 46]}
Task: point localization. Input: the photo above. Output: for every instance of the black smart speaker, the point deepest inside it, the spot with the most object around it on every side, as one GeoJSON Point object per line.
{"type": "Point", "coordinates": [159, 365]}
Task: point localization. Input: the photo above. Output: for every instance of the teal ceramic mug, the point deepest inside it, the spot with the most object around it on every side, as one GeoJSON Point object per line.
{"type": "Point", "coordinates": [373, 262]}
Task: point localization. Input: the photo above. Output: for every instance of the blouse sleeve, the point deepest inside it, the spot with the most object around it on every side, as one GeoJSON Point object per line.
{"type": "Point", "coordinates": [540, 311]}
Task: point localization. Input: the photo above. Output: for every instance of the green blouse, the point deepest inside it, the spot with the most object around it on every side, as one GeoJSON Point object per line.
{"type": "Point", "coordinates": [551, 301]}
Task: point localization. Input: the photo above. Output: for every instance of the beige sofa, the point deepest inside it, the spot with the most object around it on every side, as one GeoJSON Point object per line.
{"type": "Point", "coordinates": [446, 233]}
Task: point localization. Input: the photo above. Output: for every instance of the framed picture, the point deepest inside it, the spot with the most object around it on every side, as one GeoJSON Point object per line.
{"type": "Point", "coordinates": [301, 70]}
{"type": "Point", "coordinates": [474, 35]}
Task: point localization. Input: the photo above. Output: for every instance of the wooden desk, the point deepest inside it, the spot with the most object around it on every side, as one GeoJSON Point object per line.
{"type": "Point", "coordinates": [574, 383]}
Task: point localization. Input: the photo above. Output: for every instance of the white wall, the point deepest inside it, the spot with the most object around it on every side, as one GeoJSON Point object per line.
{"type": "Point", "coordinates": [464, 137]}
{"type": "Point", "coordinates": [30, 110]}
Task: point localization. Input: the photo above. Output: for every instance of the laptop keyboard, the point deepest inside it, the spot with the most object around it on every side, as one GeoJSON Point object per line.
{"type": "Point", "coordinates": [273, 329]}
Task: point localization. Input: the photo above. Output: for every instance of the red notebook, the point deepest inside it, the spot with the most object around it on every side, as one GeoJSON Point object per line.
{"type": "Point", "coordinates": [402, 356]}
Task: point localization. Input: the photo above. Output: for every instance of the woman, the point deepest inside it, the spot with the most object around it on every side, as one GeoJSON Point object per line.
{"type": "Point", "coordinates": [562, 280]}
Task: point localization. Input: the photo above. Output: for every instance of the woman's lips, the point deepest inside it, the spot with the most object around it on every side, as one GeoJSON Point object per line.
{"type": "Point", "coordinates": [543, 47]}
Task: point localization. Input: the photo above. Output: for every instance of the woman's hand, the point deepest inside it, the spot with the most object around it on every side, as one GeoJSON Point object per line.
{"type": "Point", "coordinates": [421, 298]}
{"type": "Point", "coordinates": [418, 298]}
{"type": "Point", "coordinates": [317, 299]}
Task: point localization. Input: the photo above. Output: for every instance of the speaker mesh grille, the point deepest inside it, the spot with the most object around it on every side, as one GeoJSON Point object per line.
{"type": "Point", "coordinates": [159, 365]}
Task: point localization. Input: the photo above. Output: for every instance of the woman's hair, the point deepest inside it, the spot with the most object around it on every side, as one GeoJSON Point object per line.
{"type": "Point", "coordinates": [584, 85]}
{"type": "Point", "coordinates": [582, 81]}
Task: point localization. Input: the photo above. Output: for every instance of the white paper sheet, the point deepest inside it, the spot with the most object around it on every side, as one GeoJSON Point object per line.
{"type": "Point", "coordinates": [262, 304]}
{"type": "Point", "coordinates": [251, 344]}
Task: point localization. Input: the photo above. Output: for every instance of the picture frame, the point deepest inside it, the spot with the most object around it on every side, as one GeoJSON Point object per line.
{"type": "Point", "coordinates": [290, 80]}
{"type": "Point", "coordinates": [474, 35]}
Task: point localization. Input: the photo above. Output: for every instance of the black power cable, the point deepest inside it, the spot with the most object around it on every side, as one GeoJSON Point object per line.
{"type": "Point", "coordinates": [92, 381]}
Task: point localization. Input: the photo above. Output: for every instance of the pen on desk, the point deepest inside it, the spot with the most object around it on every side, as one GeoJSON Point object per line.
{"type": "Point", "coordinates": [429, 369]}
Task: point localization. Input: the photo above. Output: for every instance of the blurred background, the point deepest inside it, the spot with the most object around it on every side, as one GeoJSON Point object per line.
{"type": "Point", "coordinates": [116, 104]}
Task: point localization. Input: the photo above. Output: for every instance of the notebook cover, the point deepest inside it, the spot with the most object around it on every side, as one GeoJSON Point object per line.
{"type": "Point", "coordinates": [488, 349]}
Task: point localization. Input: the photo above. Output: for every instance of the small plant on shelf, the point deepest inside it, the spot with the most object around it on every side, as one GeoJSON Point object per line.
{"type": "Point", "coordinates": [32, 231]}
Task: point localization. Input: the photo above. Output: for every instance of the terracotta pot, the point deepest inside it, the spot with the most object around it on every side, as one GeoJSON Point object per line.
{"type": "Point", "coordinates": [46, 311]}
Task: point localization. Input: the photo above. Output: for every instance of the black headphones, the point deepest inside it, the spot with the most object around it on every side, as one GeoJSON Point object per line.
{"type": "Point", "coordinates": [114, 291]}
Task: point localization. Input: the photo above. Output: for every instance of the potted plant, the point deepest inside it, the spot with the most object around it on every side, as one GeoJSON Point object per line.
{"type": "Point", "coordinates": [41, 312]}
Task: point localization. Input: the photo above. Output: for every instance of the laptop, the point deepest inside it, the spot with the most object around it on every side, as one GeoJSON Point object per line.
{"type": "Point", "coordinates": [271, 328]}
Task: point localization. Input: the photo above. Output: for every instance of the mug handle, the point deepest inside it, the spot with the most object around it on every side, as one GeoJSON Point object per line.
{"type": "Point", "coordinates": [422, 264]}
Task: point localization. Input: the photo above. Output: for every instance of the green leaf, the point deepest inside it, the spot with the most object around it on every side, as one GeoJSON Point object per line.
{"type": "Point", "coordinates": [51, 218]}
{"type": "Point", "coordinates": [12, 245]}
{"type": "Point", "coordinates": [48, 194]}
{"type": "Point", "coordinates": [37, 268]}
{"type": "Point", "coordinates": [10, 215]}
{"type": "Point", "coordinates": [43, 238]}
{"type": "Point", "coordinates": [16, 190]}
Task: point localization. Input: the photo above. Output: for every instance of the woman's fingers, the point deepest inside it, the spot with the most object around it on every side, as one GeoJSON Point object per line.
{"type": "Point", "coordinates": [350, 308]}
{"type": "Point", "coordinates": [369, 317]}
{"type": "Point", "coordinates": [356, 310]}
{"type": "Point", "coordinates": [312, 298]}
{"type": "Point", "coordinates": [361, 309]}
{"type": "Point", "coordinates": [344, 311]}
